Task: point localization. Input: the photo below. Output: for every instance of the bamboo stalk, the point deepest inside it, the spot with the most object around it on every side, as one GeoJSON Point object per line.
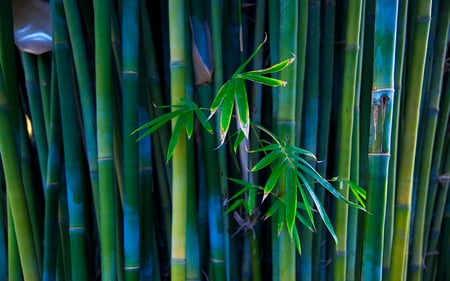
{"type": "Point", "coordinates": [380, 137]}
{"type": "Point", "coordinates": [107, 189]}
{"type": "Point", "coordinates": [429, 126]}
{"type": "Point", "coordinates": [408, 148]}
{"type": "Point", "coordinates": [130, 98]}
{"type": "Point", "coordinates": [345, 132]}
{"type": "Point", "coordinates": [285, 127]}
{"type": "Point", "coordinates": [177, 22]}
{"type": "Point", "coordinates": [15, 189]}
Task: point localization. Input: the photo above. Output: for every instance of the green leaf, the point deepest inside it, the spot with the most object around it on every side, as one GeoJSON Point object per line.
{"type": "Point", "coordinates": [223, 92]}
{"type": "Point", "coordinates": [273, 178]}
{"type": "Point", "coordinates": [240, 137]}
{"type": "Point", "coordinates": [189, 123]}
{"type": "Point", "coordinates": [274, 68]}
{"type": "Point", "coordinates": [291, 198]}
{"type": "Point", "coordinates": [242, 107]}
{"type": "Point", "coordinates": [235, 205]}
{"type": "Point", "coordinates": [306, 222]}
{"type": "Point", "coordinates": [251, 200]}
{"type": "Point", "coordinates": [307, 207]}
{"type": "Point", "coordinates": [242, 67]}
{"type": "Point", "coordinates": [272, 82]}
{"type": "Point", "coordinates": [320, 208]}
{"type": "Point", "coordinates": [158, 122]}
{"type": "Point", "coordinates": [180, 123]}
{"type": "Point", "coordinates": [225, 116]}
{"type": "Point", "coordinates": [297, 150]}
{"type": "Point", "coordinates": [272, 209]}
{"type": "Point", "coordinates": [297, 240]}
{"type": "Point", "coordinates": [266, 148]}
{"type": "Point", "coordinates": [267, 160]}
{"type": "Point", "coordinates": [202, 118]}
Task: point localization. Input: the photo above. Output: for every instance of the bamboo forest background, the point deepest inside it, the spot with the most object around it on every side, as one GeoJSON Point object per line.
{"type": "Point", "coordinates": [367, 92]}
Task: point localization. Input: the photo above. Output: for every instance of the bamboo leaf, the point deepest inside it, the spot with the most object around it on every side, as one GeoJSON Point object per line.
{"type": "Point", "coordinates": [235, 205]}
{"type": "Point", "coordinates": [307, 207]}
{"type": "Point", "coordinates": [180, 123]}
{"type": "Point", "coordinates": [242, 106]}
{"type": "Point", "coordinates": [273, 178]}
{"type": "Point", "coordinates": [157, 123]}
{"type": "Point", "coordinates": [189, 123]}
{"type": "Point", "coordinates": [272, 209]}
{"type": "Point", "coordinates": [297, 150]}
{"type": "Point", "coordinates": [227, 112]}
{"type": "Point", "coordinates": [320, 208]}
{"type": "Point", "coordinates": [251, 200]}
{"type": "Point", "coordinates": [274, 68]}
{"type": "Point", "coordinates": [223, 92]}
{"type": "Point", "coordinates": [291, 198]}
{"type": "Point", "coordinates": [306, 222]}
{"type": "Point", "coordinates": [267, 160]}
{"type": "Point", "coordinates": [272, 82]}
{"type": "Point", "coordinates": [240, 137]}
{"type": "Point", "coordinates": [266, 148]}
{"type": "Point", "coordinates": [242, 67]}
{"type": "Point", "coordinates": [297, 240]}
{"type": "Point", "coordinates": [203, 120]}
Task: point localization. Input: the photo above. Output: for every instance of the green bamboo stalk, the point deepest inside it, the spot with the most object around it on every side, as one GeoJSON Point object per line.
{"type": "Point", "coordinates": [391, 190]}
{"type": "Point", "coordinates": [160, 137]}
{"type": "Point", "coordinates": [380, 136]}
{"type": "Point", "coordinates": [325, 91]}
{"type": "Point", "coordinates": [285, 128]}
{"type": "Point", "coordinates": [442, 108]}
{"type": "Point", "coordinates": [177, 22]}
{"type": "Point", "coordinates": [433, 227]}
{"type": "Point", "coordinates": [216, 35]}
{"type": "Point", "coordinates": [37, 117]}
{"type": "Point", "coordinates": [72, 144]}
{"type": "Point", "coordinates": [64, 270]}
{"type": "Point", "coordinates": [14, 272]}
{"type": "Point", "coordinates": [274, 33]}
{"type": "Point", "coordinates": [444, 256]}
{"type": "Point", "coordinates": [310, 118]}
{"type": "Point", "coordinates": [51, 189]}
{"type": "Point", "coordinates": [345, 132]}
{"type": "Point", "coordinates": [435, 232]}
{"type": "Point", "coordinates": [354, 245]}
{"type": "Point", "coordinates": [44, 72]}
{"type": "Point", "coordinates": [130, 99]}
{"type": "Point", "coordinates": [408, 148]}
{"type": "Point", "coordinates": [429, 129]}
{"type": "Point", "coordinates": [107, 189]}
{"type": "Point", "coordinates": [15, 190]}
{"type": "Point", "coordinates": [85, 93]}
{"type": "Point", "coordinates": [3, 231]}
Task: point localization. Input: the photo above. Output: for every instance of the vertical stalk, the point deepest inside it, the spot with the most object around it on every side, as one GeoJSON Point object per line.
{"type": "Point", "coordinates": [130, 99]}
{"type": "Point", "coordinates": [285, 127]}
{"type": "Point", "coordinates": [72, 144]}
{"type": "Point", "coordinates": [103, 89]}
{"type": "Point", "coordinates": [407, 151]}
{"type": "Point", "coordinates": [345, 131]}
{"type": "Point", "coordinates": [380, 136]}
{"type": "Point", "coordinates": [177, 21]}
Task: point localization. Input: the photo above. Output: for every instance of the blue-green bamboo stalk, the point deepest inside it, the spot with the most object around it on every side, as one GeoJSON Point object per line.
{"type": "Point", "coordinates": [64, 252]}
{"type": "Point", "coordinates": [345, 132]}
{"type": "Point", "coordinates": [36, 109]}
{"type": "Point", "coordinates": [15, 192]}
{"type": "Point", "coordinates": [14, 268]}
{"type": "Point", "coordinates": [44, 72]}
{"type": "Point", "coordinates": [72, 144]}
{"type": "Point", "coordinates": [130, 98]}
{"type": "Point", "coordinates": [391, 189]}
{"type": "Point", "coordinates": [85, 93]}
{"type": "Point", "coordinates": [3, 232]}
{"type": "Point", "coordinates": [285, 128]}
{"type": "Point", "coordinates": [104, 96]}
{"type": "Point", "coordinates": [408, 148]}
{"type": "Point", "coordinates": [177, 22]}
{"type": "Point", "coordinates": [419, 237]}
{"type": "Point", "coordinates": [380, 137]}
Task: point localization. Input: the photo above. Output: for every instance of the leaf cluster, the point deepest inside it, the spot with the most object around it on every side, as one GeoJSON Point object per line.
{"type": "Point", "coordinates": [290, 166]}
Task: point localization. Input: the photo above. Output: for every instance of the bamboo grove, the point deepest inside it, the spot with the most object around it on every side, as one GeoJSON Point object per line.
{"type": "Point", "coordinates": [224, 140]}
